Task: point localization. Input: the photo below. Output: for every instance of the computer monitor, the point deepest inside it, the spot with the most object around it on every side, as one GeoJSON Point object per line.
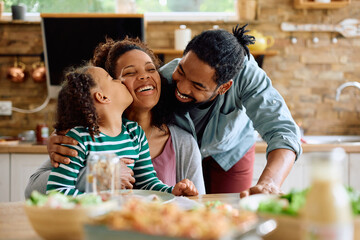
{"type": "Point", "coordinates": [70, 39]}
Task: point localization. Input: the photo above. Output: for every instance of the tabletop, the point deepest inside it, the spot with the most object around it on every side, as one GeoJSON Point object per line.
{"type": "Point", "coordinates": [15, 225]}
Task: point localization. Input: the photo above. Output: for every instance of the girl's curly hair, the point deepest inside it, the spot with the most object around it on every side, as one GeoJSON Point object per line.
{"type": "Point", "coordinates": [106, 55]}
{"type": "Point", "coordinates": [223, 51]}
{"type": "Point", "coordinates": [75, 106]}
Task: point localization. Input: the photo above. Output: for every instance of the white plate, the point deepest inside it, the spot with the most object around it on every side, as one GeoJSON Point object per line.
{"type": "Point", "coordinates": [163, 196]}
{"type": "Point", "coordinates": [252, 202]}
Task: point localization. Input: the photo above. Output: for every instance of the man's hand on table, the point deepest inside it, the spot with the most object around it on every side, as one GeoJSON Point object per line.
{"type": "Point", "coordinates": [279, 164]}
{"type": "Point", "coordinates": [267, 187]}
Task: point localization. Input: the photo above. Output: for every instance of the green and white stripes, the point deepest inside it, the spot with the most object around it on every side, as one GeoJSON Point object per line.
{"type": "Point", "coordinates": [130, 143]}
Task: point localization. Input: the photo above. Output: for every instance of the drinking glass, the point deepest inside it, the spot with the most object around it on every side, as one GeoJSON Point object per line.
{"type": "Point", "coordinates": [103, 174]}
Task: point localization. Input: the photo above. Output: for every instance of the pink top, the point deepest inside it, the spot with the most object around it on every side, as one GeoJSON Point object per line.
{"type": "Point", "coordinates": [165, 164]}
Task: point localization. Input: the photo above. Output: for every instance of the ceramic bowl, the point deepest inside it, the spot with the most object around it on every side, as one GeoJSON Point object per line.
{"type": "Point", "coordinates": [52, 223]}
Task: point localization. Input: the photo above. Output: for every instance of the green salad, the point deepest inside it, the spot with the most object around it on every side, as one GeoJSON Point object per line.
{"type": "Point", "coordinates": [291, 203]}
{"type": "Point", "coordinates": [59, 200]}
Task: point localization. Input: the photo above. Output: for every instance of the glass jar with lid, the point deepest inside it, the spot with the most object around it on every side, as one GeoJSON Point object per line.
{"type": "Point", "coordinates": [327, 213]}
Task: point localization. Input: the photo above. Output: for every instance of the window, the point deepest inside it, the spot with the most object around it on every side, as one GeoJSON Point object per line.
{"type": "Point", "coordinates": [153, 9]}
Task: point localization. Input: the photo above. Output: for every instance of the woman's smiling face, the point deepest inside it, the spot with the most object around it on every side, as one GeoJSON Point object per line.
{"type": "Point", "coordinates": [137, 71]}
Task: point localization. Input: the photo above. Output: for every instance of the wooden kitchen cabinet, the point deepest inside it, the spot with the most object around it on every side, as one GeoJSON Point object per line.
{"type": "Point", "coordinates": [300, 178]}
{"type": "Point", "coordinates": [22, 167]}
{"type": "Point", "coordinates": [354, 167]}
{"type": "Point", "coordinates": [4, 177]}
{"type": "Point", "coordinates": [311, 4]}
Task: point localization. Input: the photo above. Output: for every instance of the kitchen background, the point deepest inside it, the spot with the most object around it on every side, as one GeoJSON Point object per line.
{"type": "Point", "coordinates": [307, 74]}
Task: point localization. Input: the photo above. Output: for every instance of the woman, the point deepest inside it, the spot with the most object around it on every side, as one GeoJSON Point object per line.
{"type": "Point", "coordinates": [174, 152]}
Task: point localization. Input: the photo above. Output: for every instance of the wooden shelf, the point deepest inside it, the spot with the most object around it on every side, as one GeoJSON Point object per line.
{"type": "Point", "coordinates": [174, 52]}
{"type": "Point", "coordinates": [311, 4]}
{"type": "Point", "coordinates": [258, 55]}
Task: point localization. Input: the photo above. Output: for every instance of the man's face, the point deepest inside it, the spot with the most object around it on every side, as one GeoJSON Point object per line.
{"type": "Point", "coordinates": [194, 81]}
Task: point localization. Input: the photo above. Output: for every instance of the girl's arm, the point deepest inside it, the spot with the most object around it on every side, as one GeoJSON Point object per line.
{"type": "Point", "coordinates": [65, 177]}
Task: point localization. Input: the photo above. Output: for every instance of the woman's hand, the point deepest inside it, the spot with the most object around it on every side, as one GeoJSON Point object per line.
{"type": "Point", "coordinates": [126, 174]}
{"type": "Point", "coordinates": [185, 188]}
{"type": "Point", "coordinates": [57, 151]}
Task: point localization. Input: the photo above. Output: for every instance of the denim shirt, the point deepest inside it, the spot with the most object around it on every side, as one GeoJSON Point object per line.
{"type": "Point", "coordinates": [251, 103]}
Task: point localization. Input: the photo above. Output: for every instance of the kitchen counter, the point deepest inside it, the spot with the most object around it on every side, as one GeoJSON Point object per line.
{"type": "Point", "coordinates": [23, 148]}
{"type": "Point", "coordinates": [259, 148]}
{"type": "Point", "coordinates": [348, 147]}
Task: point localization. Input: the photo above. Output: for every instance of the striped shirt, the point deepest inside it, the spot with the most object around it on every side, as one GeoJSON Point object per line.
{"type": "Point", "coordinates": [130, 143]}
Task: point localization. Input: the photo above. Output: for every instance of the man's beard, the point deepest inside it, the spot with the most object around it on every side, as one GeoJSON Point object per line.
{"type": "Point", "coordinates": [181, 107]}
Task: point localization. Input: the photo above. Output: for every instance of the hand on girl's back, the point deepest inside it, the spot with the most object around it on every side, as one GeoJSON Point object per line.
{"type": "Point", "coordinates": [185, 188]}
{"type": "Point", "coordinates": [57, 152]}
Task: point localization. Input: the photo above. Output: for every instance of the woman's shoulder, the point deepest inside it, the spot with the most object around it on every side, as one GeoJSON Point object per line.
{"type": "Point", "coordinates": [180, 134]}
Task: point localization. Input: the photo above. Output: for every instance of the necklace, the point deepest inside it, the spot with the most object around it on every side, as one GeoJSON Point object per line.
{"type": "Point", "coordinates": [151, 132]}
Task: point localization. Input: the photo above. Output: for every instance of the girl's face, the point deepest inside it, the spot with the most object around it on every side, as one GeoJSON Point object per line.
{"type": "Point", "coordinates": [112, 89]}
{"type": "Point", "coordinates": [140, 76]}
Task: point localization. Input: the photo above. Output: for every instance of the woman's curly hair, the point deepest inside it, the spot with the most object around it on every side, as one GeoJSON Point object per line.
{"type": "Point", "coordinates": [223, 51]}
{"type": "Point", "coordinates": [106, 55]}
{"type": "Point", "coordinates": [75, 106]}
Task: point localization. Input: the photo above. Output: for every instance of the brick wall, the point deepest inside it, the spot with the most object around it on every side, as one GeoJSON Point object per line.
{"type": "Point", "coordinates": [22, 38]}
{"type": "Point", "coordinates": [306, 74]}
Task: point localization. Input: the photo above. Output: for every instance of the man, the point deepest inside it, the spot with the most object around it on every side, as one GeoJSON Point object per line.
{"type": "Point", "coordinates": [224, 96]}
{"type": "Point", "coordinates": [221, 96]}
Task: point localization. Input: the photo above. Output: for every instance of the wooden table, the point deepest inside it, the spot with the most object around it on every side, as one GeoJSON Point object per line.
{"type": "Point", "coordinates": [15, 225]}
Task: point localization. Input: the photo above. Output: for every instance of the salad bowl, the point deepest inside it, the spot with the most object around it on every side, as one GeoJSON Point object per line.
{"type": "Point", "coordinates": [61, 217]}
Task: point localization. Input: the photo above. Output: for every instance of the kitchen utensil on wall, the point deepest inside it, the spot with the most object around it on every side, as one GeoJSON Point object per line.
{"type": "Point", "coordinates": [16, 73]}
{"type": "Point", "coordinates": [38, 72]}
{"type": "Point", "coordinates": [261, 42]}
{"type": "Point", "coordinates": [348, 27]}
{"type": "Point", "coordinates": [246, 9]}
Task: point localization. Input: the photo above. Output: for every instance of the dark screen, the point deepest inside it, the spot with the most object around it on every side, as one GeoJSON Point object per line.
{"type": "Point", "coordinates": [71, 41]}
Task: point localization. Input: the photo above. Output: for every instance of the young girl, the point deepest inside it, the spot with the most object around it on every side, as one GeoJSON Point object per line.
{"type": "Point", "coordinates": [91, 104]}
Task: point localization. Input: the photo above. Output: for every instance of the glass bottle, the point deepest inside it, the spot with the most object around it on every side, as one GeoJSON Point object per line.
{"type": "Point", "coordinates": [42, 133]}
{"type": "Point", "coordinates": [327, 212]}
